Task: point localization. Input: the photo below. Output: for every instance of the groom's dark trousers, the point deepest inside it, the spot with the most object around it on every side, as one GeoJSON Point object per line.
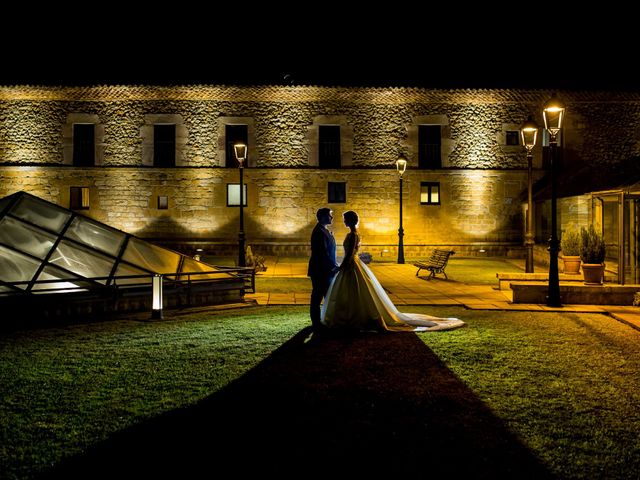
{"type": "Point", "coordinates": [322, 268]}
{"type": "Point", "coordinates": [319, 287]}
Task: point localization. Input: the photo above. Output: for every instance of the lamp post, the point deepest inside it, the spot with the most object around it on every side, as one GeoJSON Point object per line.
{"type": "Point", "coordinates": [553, 112]}
{"type": "Point", "coordinates": [529, 134]}
{"type": "Point", "coordinates": [240, 150]}
{"type": "Point", "coordinates": [401, 165]}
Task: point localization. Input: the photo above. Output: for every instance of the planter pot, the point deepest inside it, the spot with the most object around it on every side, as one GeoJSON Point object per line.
{"type": "Point", "coordinates": [571, 264]}
{"type": "Point", "coordinates": [593, 273]}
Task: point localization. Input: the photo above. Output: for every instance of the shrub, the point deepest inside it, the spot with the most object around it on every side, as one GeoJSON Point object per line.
{"type": "Point", "coordinates": [592, 249]}
{"type": "Point", "coordinates": [571, 242]}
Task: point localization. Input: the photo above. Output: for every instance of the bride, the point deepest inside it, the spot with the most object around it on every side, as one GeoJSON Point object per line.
{"type": "Point", "coordinates": [357, 301]}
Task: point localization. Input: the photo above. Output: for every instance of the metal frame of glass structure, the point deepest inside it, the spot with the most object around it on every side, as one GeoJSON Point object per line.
{"type": "Point", "coordinates": [45, 248]}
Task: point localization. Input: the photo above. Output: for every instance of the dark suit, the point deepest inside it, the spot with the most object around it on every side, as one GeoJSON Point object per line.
{"type": "Point", "coordinates": [322, 268]}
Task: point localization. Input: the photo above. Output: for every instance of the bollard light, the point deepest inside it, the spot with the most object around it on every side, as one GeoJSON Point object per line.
{"type": "Point", "coordinates": [156, 300]}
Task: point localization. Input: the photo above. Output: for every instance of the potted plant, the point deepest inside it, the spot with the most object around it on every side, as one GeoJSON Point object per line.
{"type": "Point", "coordinates": [571, 245]}
{"type": "Point", "coordinates": [592, 253]}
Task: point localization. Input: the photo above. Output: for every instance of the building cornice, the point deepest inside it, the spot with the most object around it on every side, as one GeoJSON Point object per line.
{"type": "Point", "coordinates": [295, 94]}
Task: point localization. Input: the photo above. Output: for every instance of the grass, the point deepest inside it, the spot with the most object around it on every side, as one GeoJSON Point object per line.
{"type": "Point", "coordinates": [63, 389]}
{"type": "Point", "coordinates": [562, 382]}
{"type": "Point", "coordinates": [564, 386]}
{"type": "Point", "coordinates": [282, 284]}
{"type": "Point", "coordinates": [478, 271]}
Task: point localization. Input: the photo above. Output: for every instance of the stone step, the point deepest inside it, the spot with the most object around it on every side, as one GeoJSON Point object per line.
{"type": "Point", "coordinates": [574, 293]}
{"type": "Point", "coordinates": [505, 278]}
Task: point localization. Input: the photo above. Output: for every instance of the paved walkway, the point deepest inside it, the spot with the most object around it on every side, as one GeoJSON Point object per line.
{"type": "Point", "coordinates": [405, 288]}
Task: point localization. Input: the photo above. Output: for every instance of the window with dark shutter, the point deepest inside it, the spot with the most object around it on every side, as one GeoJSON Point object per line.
{"type": "Point", "coordinates": [429, 146]}
{"type": "Point", "coordinates": [512, 138]}
{"type": "Point", "coordinates": [164, 145]}
{"type": "Point", "coordinates": [337, 192]}
{"type": "Point", "coordinates": [329, 146]}
{"type": "Point", "coordinates": [79, 198]}
{"type": "Point", "coordinates": [84, 144]}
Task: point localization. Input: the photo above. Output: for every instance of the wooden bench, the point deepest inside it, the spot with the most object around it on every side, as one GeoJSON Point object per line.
{"type": "Point", "coordinates": [436, 263]}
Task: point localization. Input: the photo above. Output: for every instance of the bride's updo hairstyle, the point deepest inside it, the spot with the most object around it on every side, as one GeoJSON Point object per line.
{"type": "Point", "coordinates": [350, 218]}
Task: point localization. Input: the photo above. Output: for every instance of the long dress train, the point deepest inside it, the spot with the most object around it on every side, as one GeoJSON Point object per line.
{"type": "Point", "coordinates": [357, 301]}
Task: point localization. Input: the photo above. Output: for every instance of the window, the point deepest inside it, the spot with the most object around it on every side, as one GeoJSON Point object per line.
{"type": "Point", "coordinates": [79, 198]}
{"type": "Point", "coordinates": [429, 146]}
{"type": "Point", "coordinates": [337, 192]}
{"type": "Point", "coordinates": [329, 146]}
{"type": "Point", "coordinates": [84, 144]}
{"type": "Point", "coordinates": [429, 193]}
{"type": "Point", "coordinates": [164, 145]}
{"type": "Point", "coordinates": [83, 140]}
{"type": "Point", "coordinates": [234, 134]}
{"type": "Point", "coordinates": [233, 195]}
{"type": "Point", "coordinates": [163, 202]}
{"type": "Point", "coordinates": [513, 138]}
{"type": "Point", "coordinates": [545, 137]}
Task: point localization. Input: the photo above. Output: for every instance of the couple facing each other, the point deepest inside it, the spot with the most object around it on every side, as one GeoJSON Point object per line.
{"type": "Point", "coordinates": [354, 300]}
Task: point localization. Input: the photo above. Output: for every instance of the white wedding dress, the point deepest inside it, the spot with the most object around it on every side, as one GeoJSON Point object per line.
{"type": "Point", "coordinates": [356, 301]}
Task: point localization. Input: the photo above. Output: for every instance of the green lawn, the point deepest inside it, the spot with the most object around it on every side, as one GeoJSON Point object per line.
{"type": "Point", "coordinates": [282, 284]}
{"type": "Point", "coordinates": [478, 270]}
{"type": "Point", "coordinates": [565, 386]}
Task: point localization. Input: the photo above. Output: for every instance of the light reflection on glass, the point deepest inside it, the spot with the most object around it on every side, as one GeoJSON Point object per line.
{"type": "Point", "coordinates": [154, 259]}
{"type": "Point", "coordinates": [81, 261]}
{"type": "Point", "coordinates": [95, 235]}
{"type": "Point", "coordinates": [40, 213]}
{"type": "Point", "coordinates": [23, 237]}
{"type": "Point", "coordinates": [16, 267]}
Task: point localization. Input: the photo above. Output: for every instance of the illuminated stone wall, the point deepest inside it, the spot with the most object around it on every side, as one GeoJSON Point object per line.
{"type": "Point", "coordinates": [32, 119]}
{"type": "Point", "coordinates": [478, 207]}
{"type": "Point", "coordinates": [482, 181]}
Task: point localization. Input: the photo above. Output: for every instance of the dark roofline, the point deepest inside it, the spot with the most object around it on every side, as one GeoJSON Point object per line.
{"type": "Point", "coordinates": [590, 179]}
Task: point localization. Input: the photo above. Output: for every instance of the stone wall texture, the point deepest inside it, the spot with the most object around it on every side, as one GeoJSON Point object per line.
{"type": "Point", "coordinates": [476, 206]}
{"type": "Point", "coordinates": [482, 182]}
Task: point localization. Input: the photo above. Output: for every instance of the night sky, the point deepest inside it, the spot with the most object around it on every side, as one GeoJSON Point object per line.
{"type": "Point", "coordinates": [315, 45]}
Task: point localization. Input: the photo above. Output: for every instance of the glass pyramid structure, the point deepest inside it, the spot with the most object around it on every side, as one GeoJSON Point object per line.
{"type": "Point", "coordinates": [45, 248]}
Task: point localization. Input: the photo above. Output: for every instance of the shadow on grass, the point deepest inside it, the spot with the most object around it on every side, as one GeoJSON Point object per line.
{"type": "Point", "coordinates": [369, 404]}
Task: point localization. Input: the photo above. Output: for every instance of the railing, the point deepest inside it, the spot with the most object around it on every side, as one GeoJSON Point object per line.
{"type": "Point", "coordinates": [88, 284]}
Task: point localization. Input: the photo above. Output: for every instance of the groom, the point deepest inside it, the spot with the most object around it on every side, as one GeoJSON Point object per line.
{"type": "Point", "coordinates": [322, 264]}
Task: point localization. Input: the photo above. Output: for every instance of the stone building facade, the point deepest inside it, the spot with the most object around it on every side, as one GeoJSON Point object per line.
{"type": "Point", "coordinates": [479, 175]}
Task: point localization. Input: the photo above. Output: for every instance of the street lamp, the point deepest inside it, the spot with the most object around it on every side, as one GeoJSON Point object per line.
{"type": "Point", "coordinates": [401, 165]}
{"type": "Point", "coordinates": [529, 134]}
{"type": "Point", "coordinates": [553, 112]}
{"type": "Point", "coordinates": [240, 150]}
